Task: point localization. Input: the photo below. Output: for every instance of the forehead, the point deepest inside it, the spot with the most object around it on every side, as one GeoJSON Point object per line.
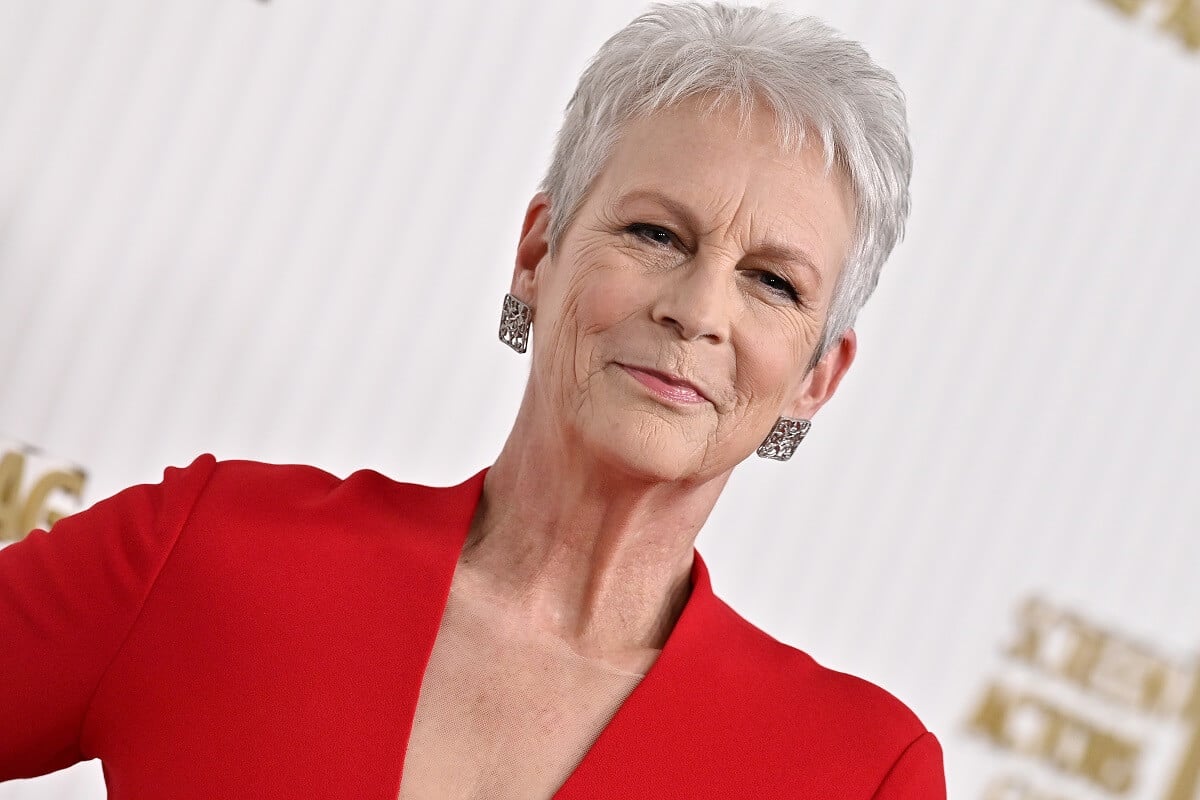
{"type": "Point", "coordinates": [731, 172]}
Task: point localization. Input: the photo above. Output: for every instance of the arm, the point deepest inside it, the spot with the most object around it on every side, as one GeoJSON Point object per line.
{"type": "Point", "coordinates": [68, 599]}
{"type": "Point", "coordinates": [917, 773]}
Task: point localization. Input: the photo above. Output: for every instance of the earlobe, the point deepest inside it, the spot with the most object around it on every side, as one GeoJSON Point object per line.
{"type": "Point", "coordinates": [822, 381]}
{"type": "Point", "coordinates": [532, 248]}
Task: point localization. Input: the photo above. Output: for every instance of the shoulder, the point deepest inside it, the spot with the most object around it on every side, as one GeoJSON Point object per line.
{"type": "Point", "coordinates": [260, 540]}
{"type": "Point", "coordinates": [779, 715]}
{"type": "Point", "coordinates": [796, 688]}
{"type": "Point", "coordinates": [808, 689]}
{"type": "Point", "coordinates": [252, 504]}
{"type": "Point", "coordinates": [249, 489]}
{"type": "Point", "coordinates": [246, 480]}
{"type": "Point", "coordinates": [801, 718]}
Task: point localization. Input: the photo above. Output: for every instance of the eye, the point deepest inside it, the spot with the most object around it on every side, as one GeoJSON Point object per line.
{"type": "Point", "coordinates": [778, 285]}
{"type": "Point", "coordinates": [652, 233]}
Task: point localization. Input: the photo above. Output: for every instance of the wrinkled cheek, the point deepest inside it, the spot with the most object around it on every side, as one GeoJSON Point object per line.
{"type": "Point", "coordinates": [591, 303]}
{"type": "Point", "coordinates": [803, 335]}
{"type": "Point", "coordinates": [764, 390]}
{"type": "Point", "coordinates": [567, 355]}
{"type": "Point", "coordinates": [617, 299]}
{"type": "Point", "coordinates": [603, 300]}
{"type": "Point", "coordinates": [557, 365]}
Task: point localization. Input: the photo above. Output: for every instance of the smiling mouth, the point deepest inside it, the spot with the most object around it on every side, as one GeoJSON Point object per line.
{"type": "Point", "coordinates": [667, 387]}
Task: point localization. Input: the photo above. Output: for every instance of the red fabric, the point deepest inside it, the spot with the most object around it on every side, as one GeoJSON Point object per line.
{"type": "Point", "coordinates": [251, 630]}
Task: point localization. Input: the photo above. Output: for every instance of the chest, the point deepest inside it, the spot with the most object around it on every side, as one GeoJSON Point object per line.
{"type": "Point", "coordinates": [505, 711]}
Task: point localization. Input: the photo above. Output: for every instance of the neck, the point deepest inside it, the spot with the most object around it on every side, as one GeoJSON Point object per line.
{"type": "Point", "coordinates": [600, 558]}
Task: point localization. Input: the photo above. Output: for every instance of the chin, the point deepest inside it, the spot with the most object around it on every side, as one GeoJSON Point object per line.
{"type": "Point", "coordinates": [655, 453]}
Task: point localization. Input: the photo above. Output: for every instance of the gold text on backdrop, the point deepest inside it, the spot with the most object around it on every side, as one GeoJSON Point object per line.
{"type": "Point", "coordinates": [1179, 18]}
{"type": "Point", "coordinates": [33, 488]}
{"type": "Point", "coordinates": [1109, 671]}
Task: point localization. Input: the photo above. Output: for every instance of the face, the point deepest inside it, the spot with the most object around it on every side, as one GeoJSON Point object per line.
{"type": "Point", "coordinates": [675, 321]}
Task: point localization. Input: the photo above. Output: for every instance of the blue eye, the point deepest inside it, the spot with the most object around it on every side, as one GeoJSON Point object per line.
{"type": "Point", "coordinates": [779, 285]}
{"type": "Point", "coordinates": [652, 233]}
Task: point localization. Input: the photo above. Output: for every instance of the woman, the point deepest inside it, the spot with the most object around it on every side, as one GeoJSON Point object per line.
{"type": "Point", "coordinates": [725, 189]}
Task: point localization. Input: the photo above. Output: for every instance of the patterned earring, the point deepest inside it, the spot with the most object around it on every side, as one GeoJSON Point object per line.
{"type": "Point", "coordinates": [515, 319]}
{"type": "Point", "coordinates": [784, 438]}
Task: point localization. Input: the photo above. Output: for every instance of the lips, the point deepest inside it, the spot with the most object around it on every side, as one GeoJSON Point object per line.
{"type": "Point", "coordinates": [669, 387]}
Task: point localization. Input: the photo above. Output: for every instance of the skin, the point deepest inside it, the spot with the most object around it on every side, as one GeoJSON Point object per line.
{"type": "Point", "coordinates": [674, 263]}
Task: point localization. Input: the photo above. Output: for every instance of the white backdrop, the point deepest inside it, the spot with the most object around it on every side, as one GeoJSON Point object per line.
{"type": "Point", "coordinates": [282, 231]}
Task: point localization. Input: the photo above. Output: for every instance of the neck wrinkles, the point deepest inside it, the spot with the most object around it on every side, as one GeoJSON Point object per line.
{"type": "Point", "coordinates": [601, 561]}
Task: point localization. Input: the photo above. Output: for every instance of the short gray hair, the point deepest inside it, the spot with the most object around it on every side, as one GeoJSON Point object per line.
{"type": "Point", "coordinates": [798, 67]}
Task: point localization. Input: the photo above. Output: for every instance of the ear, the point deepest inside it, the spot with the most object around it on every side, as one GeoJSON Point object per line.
{"type": "Point", "coordinates": [532, 249]}
{"type": "Point", "coordinates": [822, 380]}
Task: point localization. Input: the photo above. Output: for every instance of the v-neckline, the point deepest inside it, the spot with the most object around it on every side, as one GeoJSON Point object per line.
{"type": "Point", "coordinates": [438, 533]}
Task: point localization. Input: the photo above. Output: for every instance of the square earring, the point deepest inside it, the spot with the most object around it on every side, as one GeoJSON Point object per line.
{"type": "Point", "coordinates": [515, 319]}
{"type": "Point", "coordinates": [784, 438]}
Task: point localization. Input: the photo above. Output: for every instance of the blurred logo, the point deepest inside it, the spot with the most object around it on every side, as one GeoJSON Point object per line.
{"type": "Point", "coordinates": [36, 490]}
{"type": "Point", "coordinates": [1178, 18]}
{"type": "Point", "coordinates": [1101, 712]}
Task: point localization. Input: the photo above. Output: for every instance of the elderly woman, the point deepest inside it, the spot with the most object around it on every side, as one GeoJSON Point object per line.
{"type": "Point", "coordinates": [725, 188]}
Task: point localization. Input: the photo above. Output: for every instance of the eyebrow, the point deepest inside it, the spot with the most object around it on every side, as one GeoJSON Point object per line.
{"type": "Point", "coordinates": [773, 251]}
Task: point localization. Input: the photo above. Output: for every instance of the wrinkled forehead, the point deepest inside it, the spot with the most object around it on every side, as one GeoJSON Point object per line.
{"type": "Point", "coordinates": [715, 149]}
{"type": "Point", "coordinates": [718, 169]}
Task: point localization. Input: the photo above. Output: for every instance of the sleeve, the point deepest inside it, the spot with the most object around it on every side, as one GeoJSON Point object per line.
{"type": "Point", "coordinates": [917, 773]}
{"type": "Point", "coordinates": [68, 599]}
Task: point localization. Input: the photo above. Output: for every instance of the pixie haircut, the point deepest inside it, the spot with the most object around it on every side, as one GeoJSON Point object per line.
{"type": "Point", "coordinates": [804, 72]}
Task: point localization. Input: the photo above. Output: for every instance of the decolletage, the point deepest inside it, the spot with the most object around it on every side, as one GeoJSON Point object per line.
{"type": "Point", "coordinates": [506, 710]}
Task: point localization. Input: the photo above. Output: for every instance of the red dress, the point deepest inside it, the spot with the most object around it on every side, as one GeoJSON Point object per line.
{"type": "Point", "coordinates": [251, 630]}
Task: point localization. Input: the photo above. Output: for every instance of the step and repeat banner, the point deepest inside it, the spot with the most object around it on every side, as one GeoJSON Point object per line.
{"type": "Point", "coordinates": [282, 230]}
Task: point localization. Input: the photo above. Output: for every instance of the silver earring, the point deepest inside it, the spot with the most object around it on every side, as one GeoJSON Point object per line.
{"type": "Point", "coordinates": [515, 319]}
{"type": "Point", "coordinates": [784, 438]}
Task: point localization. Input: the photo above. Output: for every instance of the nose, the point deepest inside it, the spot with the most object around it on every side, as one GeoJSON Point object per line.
{"type": "Point", "coordinates": [695, 300]}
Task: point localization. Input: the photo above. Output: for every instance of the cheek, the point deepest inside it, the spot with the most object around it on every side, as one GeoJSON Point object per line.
{"type": "Point", "coordinates": [597, 294]}
{"type": "Point", "coordinates": [586, 301]}
{"type": "Point", "coordinates": [610, 298]}
{"type": "Point", "coordinates": [771, 360]}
